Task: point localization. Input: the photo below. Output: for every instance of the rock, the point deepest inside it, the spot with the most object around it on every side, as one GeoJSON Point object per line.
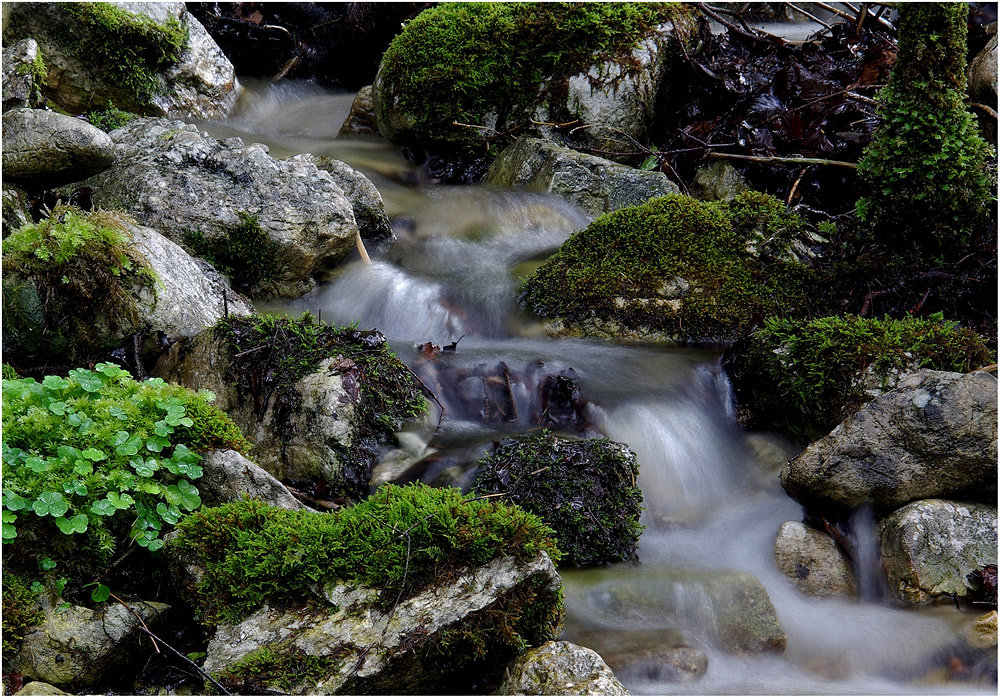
{"type": "Point", "coordinates": [178, 180]}
{"type": "Point", "coordinates": [361, 120]}
{"type": "Point", "coordinates": [560, 669]}
{"type": "Point", "coordinates": [929, 548]}
{"type": "Point", "coordinates": [43, 149]}
{"type": "Point", "coordinates": [935, 435]}
{"type": "Point", "coordinates": [675, 665]}
{"type": "Point", "coordinates": [982, 633]}
{"type": "Point", "coordinates": [85, 73]}
{"type": "Point", "coordinates": [228, 476]}
{"type": "Point", "coordinates": [76, 647]}
{"type": "Point", "coordinates": [983, 74]}
{"type": "Point", "coordinates": [813, 561]}
{"type": "Point", "coordinates": [369, 209]}
{"type": "Point", "coordinates": [771, 451]}
{"type": "Point", "coordinates": [15, 209]}
{"type": "Point", "coordinates": [23, 76]}
{"type": "Point", "coordinates": [594, 184]}
{"type": "Point", "coordinates": [40, 688]}
{"type": "Point", "coordinates": [362, 649]}
{"type": "Point", "coordinates": [719, 181]}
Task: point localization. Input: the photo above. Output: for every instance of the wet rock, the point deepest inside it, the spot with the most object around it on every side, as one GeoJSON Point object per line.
{"type": "Point", "coordinates": [76, 647]}
{"type": "Point", "coordinates": [23, 76]}
{"type": "Point", "coordinates": [369, 209]}
{"type": "Point", "coordinates": [933, 436]}
{"type": "Point", "coordinates": [201, 84]}
{"type": "Point", "coordinates": [593, 183]}
{"type": "Point", "coordinates": [40, 688]}
{"type": "Point", "coordinates": [719, 181]}
{"type": "Point", "coordinates": [982, 633]}
{"type": "Point", "coordinates": [930, 547]}
{"type": "Point", "coordinates": [180, 181]}
{"type": "Point", "coordinates": [43, 149]}
{"type": "Point", "coordinates": [674, 665]}
{"type": "Point", "coordinates": [813, 561]}
{"type": "Point", "coordinates": [229, 476]}
{"type": "Point", "coordinates": [771, 451]}
{"type": "Point", "coordinates": [15, 209]}
{"type": "Point", "coordinates": [361, 120]}
{"type": "Point", "coordinates": [560, 669]}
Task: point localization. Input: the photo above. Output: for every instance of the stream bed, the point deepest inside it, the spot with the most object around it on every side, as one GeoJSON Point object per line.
{"type": "Point", "coordinates": [711, 492]}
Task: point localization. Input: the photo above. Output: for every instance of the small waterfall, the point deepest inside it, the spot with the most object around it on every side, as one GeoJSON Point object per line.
{"type": "Point", "coordinates": [867, 555]}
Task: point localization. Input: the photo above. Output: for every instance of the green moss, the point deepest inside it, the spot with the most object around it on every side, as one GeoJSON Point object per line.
{"type": "Point", "coordinates": [70, 287]}
{"type": "Point", "coordinates": [585, 490]}
{"type": "Point", "coordinates": [38, 72]}
{"type": "Point", "coordinates": [926, 168]}
{"type": "Point", "coordinates": [10, 373]}
{"type": "Point", "coordinates": [246, 254]}
{"type": "Point", "coordinates": [459, 61]}
{"type": "Point", "coordinates": [677, 267]}
{"type": "Point", "coordinates": [127, 50]}
{"type": "Point", "coordinates": [21, 611]}
{"type": "Point", "coordinates": [398, 541]}
{"type": "Point", "coordinates": [804, 378]}
{"type": "Point", "coordinates": [111, 118]}
{"type": "Point", "coordinates": [269, 668]}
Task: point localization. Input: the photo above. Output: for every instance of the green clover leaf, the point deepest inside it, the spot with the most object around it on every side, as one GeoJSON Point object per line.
{"type": "Point", "coordinates": [50, 503]}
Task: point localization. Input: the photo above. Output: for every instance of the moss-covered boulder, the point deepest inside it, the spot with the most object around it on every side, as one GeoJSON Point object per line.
{"type": "Point", "coordinates": [585, 490]}
{"type": "Point", "coordinates": [461, 72]}
{"type": "Point", "coordinates": [803, 377]}
{"type": "Point", "coordinates": [678, 269]}
{"type": "Point", "coordinates": [414, 590]}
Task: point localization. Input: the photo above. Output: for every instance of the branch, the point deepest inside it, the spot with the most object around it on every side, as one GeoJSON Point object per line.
{"type": "Point", "coordinates": [730, 26]}
{"type": "Point", "coordinates": [814, 18]}
{"type": "Point", "coordinates": [784, 161]}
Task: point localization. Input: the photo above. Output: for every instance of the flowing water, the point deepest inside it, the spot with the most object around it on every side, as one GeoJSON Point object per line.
{"type": "Point", "coordinates": [712, 505]}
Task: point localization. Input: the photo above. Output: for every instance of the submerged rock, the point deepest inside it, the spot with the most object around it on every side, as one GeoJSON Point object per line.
{"type": "Point", "coordinates": [361, 120]}
{"type": "Point", "coordinates": [813, 561]}
{"type": "Point", "coordinates": [560, 669]}
{"type": "Point", "coordinates": [593, 183]}
{"type": "Point", "coordinates": [42, 149]}
{"type": "Point", "coordinates": [935, 435]}
{"type": "Point", "coordinates": [930, 547]}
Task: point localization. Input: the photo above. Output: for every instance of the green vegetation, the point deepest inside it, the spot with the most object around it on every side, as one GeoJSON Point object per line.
{"type": "Point", "coordinates": [246, 254]}
{"type": "Point", "coordinates": [678, 267]}
{"type": "Point", "coordinates": [38, 72]}
{"type": "Point", "coordinates": [21, 611]}
{"type": "Point", "coordinates": [397, 541]}
{"type": "Point", "coordinates": [111, 118]}
{"type": "Point", "coordinates": [263, 670]}
{"type": "Point", "coordinates": [70, 284]}
{"type": "Point", "coordinates": [585, 490]}
{"type": "Point", "coordinates": [383, 389]}
{"type": "Point", "coordinates": [804, 377]}
{"type": "Point", "coordinates": [97, 461]}
{"type": "Point", "coordinates": [460, 61]}
{"type": "Point", "coordinates": [929, 187]}
{"type": "Point", "coordinates": [128, 50]}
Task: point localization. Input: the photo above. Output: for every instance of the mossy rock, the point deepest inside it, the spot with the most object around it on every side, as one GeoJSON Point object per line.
{"type": "Point", "coordinates": [804, 377]}
{"type": "Point", "coordinates": [21, 611]}
{"type": "Point", "coordinates": [586, 490]}
{"type": "Point", "coordinates": [678, 269]}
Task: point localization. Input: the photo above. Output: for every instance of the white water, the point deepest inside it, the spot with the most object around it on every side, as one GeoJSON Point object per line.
{"type": "Point", "coordinates": [710, 504]}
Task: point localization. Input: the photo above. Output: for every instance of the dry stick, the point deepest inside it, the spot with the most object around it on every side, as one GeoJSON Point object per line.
{"type": "Point", "coordinates": [814, 18]}
{"type": "Point", "coordinates": [361, 248]}
{"type": "Point", "coordinates": [548, 123]}
{"type": "Point", "coordinates": [139, 618]}
{"type": "Point", "coordinates": [780, 160]}
{"type": "Point", "coordinates": [795, 186]}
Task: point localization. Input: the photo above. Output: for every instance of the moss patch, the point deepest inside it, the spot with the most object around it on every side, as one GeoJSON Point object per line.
{"type": "Point", "coordinates": [110, 118]}
{"type": "Point", "coordinates": [586, 490]}
{"type": "Point", "coordinates": [398, 541]}
{"type": "Point", "coordinates": [805, 377]}
{"type": "Point", "coordinates": [246, 254]}
{"type": "Point", "coordinates": [21, 611]}
{"type": "Point", "coordinates": [679, 268]}
{"type": "Point", "coordinates": [269, 668]}
{"type": "Point", "coordinates": [460, 61]}
{"type": "Point", "coordinates": [70, 284]}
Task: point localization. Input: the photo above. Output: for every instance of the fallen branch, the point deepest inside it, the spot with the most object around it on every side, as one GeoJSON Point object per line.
{"type": "Point", "coordinates": [774, 160]}
{"type": "Point", "coordinates": [711, 12]}
{"type": "Point", "coordinates": [814, 18]}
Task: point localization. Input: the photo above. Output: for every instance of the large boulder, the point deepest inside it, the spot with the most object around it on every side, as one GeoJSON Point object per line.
{"type": "Point", "coordinates": [369, 209]}
{"type": "Point", "coordinates": [560, 669]}
{"type": "Point", "coordinates": [23, 75]}
{"type": "Point", "coordinates": [145, 57]}
{"type": "Point", "coordinates": [935, 435]}
{"type": "Point", "coordinates": [228, 476]}
{"type": "Point", "coordinates": [75, 647]}
{"type": "Point", "coordinates": [930, 547]}
{"type": "Point", "coordinates": [43, 149]}
{"type": "Point", "coordinates": [813, 561]}
{"type": "Point", "coordinates": [593, 183]}
{"type": "Point", "coordinates": [283, 222]}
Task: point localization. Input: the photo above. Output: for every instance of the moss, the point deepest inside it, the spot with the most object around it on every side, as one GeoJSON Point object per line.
{"type": "Point", "coordinates": [459, 61]}
{"type": "Point", "coordinates": [270, 667]}
{"type": "Point", "coordinates": [38, 72]}
{"type": "Point", "coordinates": [398, 541]}
{"type": "Point", "coordinates": [804, 378]}
{"type": "Point", "coordinates": [586, 490]}
{"type": "Point", "coordinates": [21, 611]}
{"type": "Point", "coordinates": [246, 254]}
{"type": "Point", "coordinates": [677, 267]}
{"type": "Point", "coordinates": [110, 118]}
{"type": "Point", "coordinates": [10, 373]}
{"type": "Point", "coordinates": [70, 287]}
{"type": "Point", "coordinates": [127, 50]}
{"type": "Point", "coordinates": [926, 168]}
{"type": "Point", "coordinates": [384, 390]}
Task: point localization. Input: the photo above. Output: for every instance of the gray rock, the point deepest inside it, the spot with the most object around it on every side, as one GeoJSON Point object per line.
{"type": "Point", "coordinates": [983, 74]}
{"type": "Point", "coordinates": [651, 654]}
{"type": "Point", "coordinates": [45, 149]}
{"type": "Point", "coordinates": [929, 547]}
{"type": "Point", "coordinates": [23, 76]}
{"type": "Point", "coordinates": [15, 209]}
{"type": "Point", "coordinates": [719, 181]}
{"type": "Point", "coordinates": [202, 84]}
{"type": "Point", "coordinates": [361, 120]}
{"type": "Point", "coordinates": [75, 647]}
{"type": "Point", "coordinates": [594, 184]}
{"type": "Point", "coordinates": [675, 665]}
{"type": "Point", "coordinates": [935, 435]}
{"type": "Point", "coordinates": [369, 209]}
{"type": "Point", "coordinates": [40, 688]}
{"type": "Point", "coordinates": [372, 651]}
{"type": "Point", "coordinates": [228, 477]}
{"type": "Point", "coordinates": [560, 669]}
{"type": "Point", "coordinates": [178, 180]}
{"type": "Point", "coordinates": [813, 561]}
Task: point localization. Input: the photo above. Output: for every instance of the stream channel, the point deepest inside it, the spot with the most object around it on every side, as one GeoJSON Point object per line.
{"type": "Point", "coordinates": [713, 500]}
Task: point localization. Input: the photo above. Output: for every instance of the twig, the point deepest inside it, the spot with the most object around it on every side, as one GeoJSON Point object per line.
{"type": "Point", "coordinates": [814, 18]}
{"type": "Point", "coordinates": [361, 248]}
{"type": "Point", "coordinates": [861, 98]}
{"type": "Point", "coordinates": [549, 123]}
{"type": "Point", "coordinates": [985, 109]}
{"type": "Point", "coordinates": [186, 659]}
{"type": "Point", "coordinates": [992, 368]}
{"type": "Point", "coordinates": [730, 26]}
{"type": "Point", "coordinates": [433, 397]}
{"type": "Point", "coordinates": [833, 10]}
{"type": "Point", "coordinates": [250, 351]}
{"type": "Point", "coordinates": [791, 193]}
{"type": "Point", "coordinates": [482, 128]}
{"type": "Point", "coordinates": [780, 160]}
{"type": "Point", "coordinates": [139, 618]}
